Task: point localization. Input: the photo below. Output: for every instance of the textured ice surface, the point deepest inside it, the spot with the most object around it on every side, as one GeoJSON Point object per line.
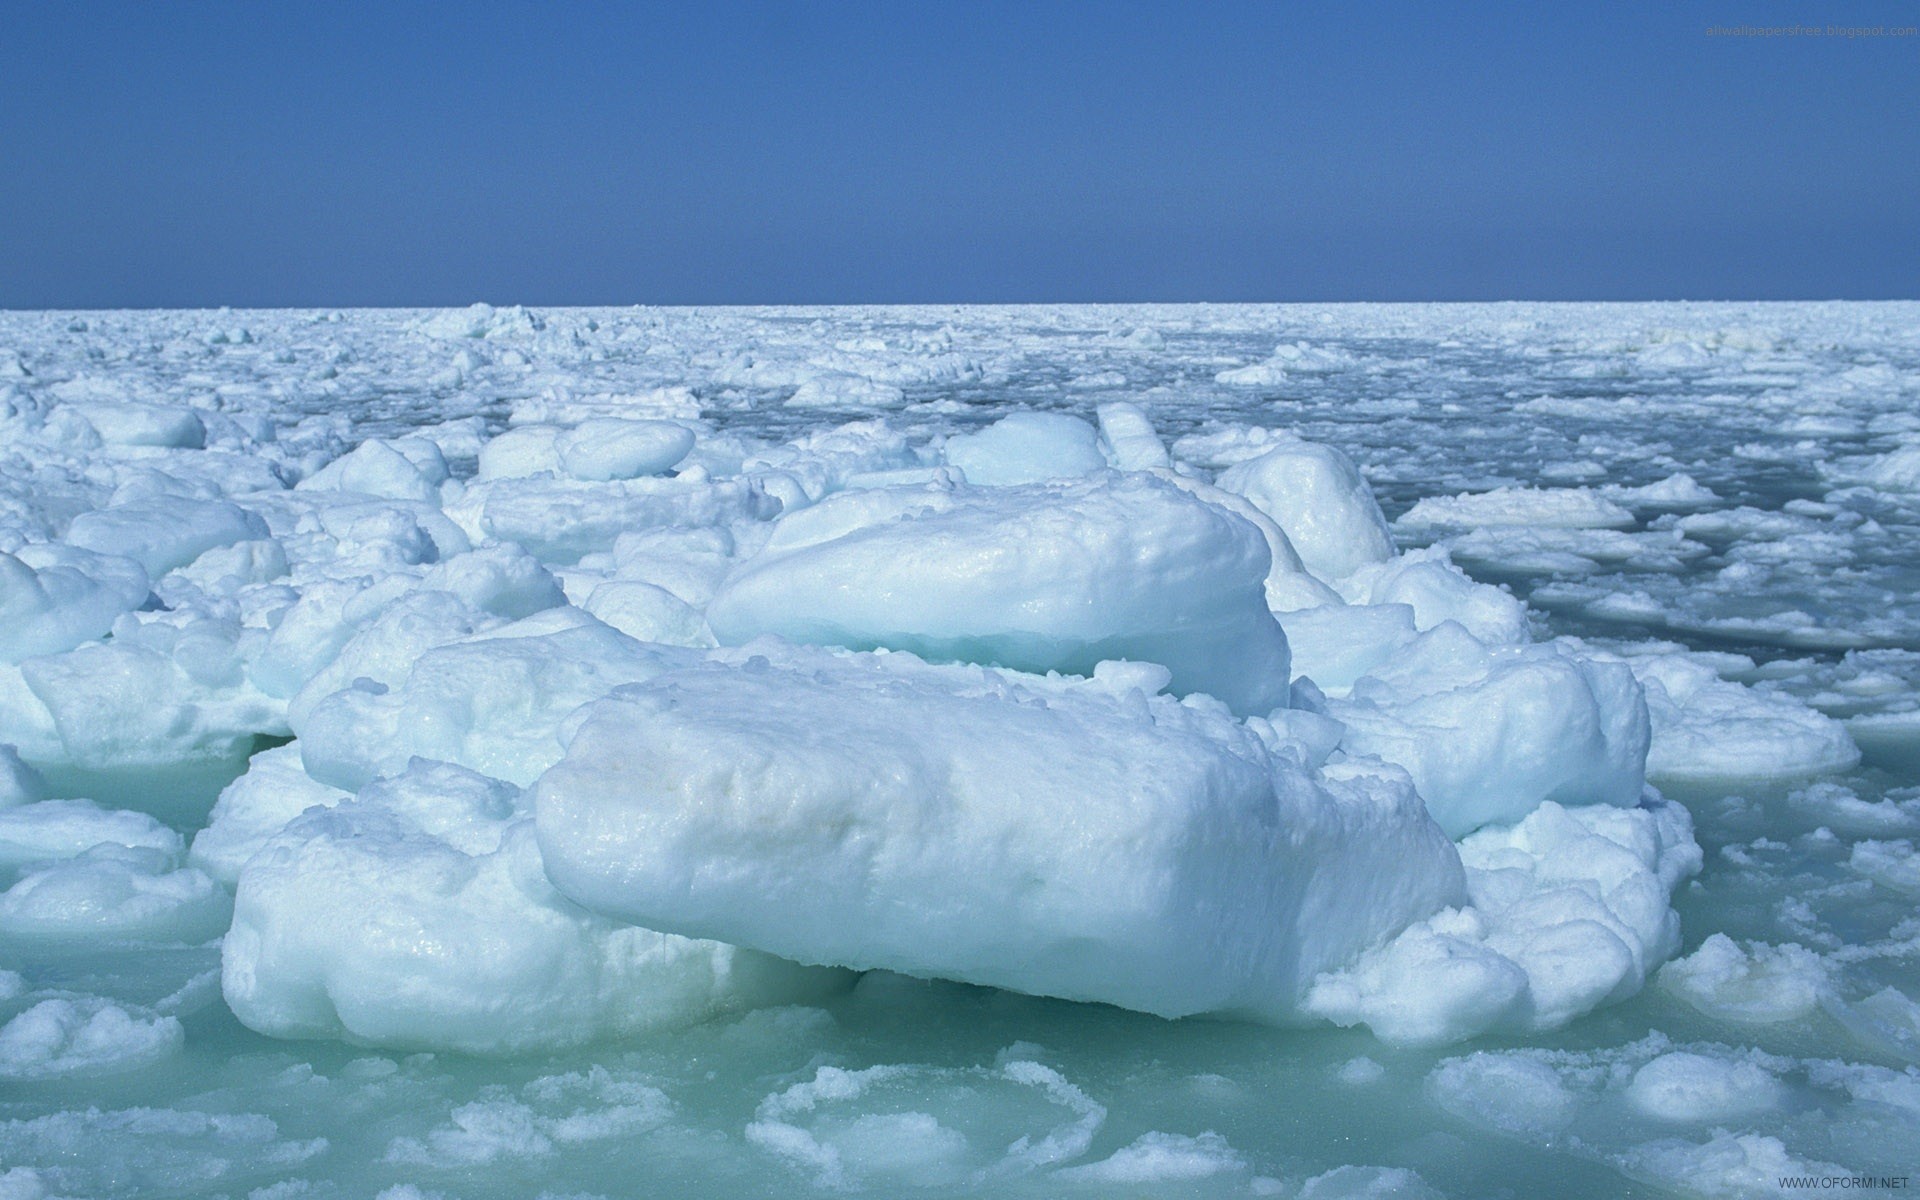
{"type": "Point", "coordinates": [417, 915]}
{"type": "Point", "coordinates": [1027, 448]}
{"type": "Point", "coordinates": [253, 808]}
{"type": "Point", "coordinates": [1317, 497]}
{"type": "Point", "coordinates": [61, 1037]}
{"type": "Point", "coordinates": [225, 530]}
{"type": "Point", "coordinates": [1087, 840]}
{"type": "Point", "coordinates": [493, 702]}
{"type": "Point", "coordinates": [114, 892]}
{"type": "Point", "coordinates": [1569, 910]}
{"type": "Point", "coordinates": [1035, 578]}
{"type": "Point", "coordinates": [1489, 734]}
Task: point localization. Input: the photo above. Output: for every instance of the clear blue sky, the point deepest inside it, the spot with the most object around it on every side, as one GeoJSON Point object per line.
{"type": "Point", "coordinates": [345, 153]}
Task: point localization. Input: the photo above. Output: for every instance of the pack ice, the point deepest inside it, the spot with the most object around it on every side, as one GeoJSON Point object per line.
{"type": "Point", "coordinates": [511, 738]}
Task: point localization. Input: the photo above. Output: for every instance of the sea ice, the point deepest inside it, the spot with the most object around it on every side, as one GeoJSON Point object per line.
{"type": "Point", "coordinates": [1570, 910]}
{"type": "Point", "coordinates": [1050, 577]}
{"type": "Point", "coordinates": [493, 702]}
{"type": "Point", "coordinates": [1706, 729]}
{"type": "Point", "coordinates": [454, 555]}
{"type": "Point", "coordinates": [1132, 444]}
{"type": "Point", "coordinates": [1083, 839]}
{"type": "Point", "coordinates": [417, 915]}
{"type": "Point", "coordinates": [1027, 448]}
{"type": "Point", "coordinates": [53, 598]}
{"type": "Point", "coordinates": [1682, 1088]}
{"type": "Point", "coordinates": [1490, 733]}
{"type": "Point", "coordinates": [164, 532]}
{"type": "Point", "coordinates": [1548, 508]}
{"type": "Point", "coordinates": [412, 469]}
{"type": "Point", "coordinates": [50, 829]}
{"type": "Point", "coordinates": [1761, 984]}
{"type": "Point", "coordinates": [19, 783]}
{"type": "Point", "coordinates": [1317, 496]}
{"type": "Point", "coordinates": [110, 891]}
{"type": "Point", "coordinates": [62, 1037]}
{"type": "Point", "coordinates": [253, 808]}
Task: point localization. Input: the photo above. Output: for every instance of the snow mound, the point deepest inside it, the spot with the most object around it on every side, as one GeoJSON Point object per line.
{"type": "Point", "coordinates": [839, 390]}
{"type": "Point", "coordinates": [412, 469]}
{"type": "Point", "coordinates": [133, 424]}
{"type": "Point", "coordinates": [19, 783]}
{"type": "Point", "coordinates": [1760, 985]}
{"type": "Point", "coordinates": [1707, 730]}
{"type": "Point", "coordinates": [597, 450]}
{"type": "Point", "coordinates": [114, 892]}
{"type": "Point", "coordinates": [253, 808]}
{"type": "Point", "coordinates": [54, 829]}
{"type": "Point", "coordinates": [614, 448]}
{"type": "Point", "coordinates": [1288, 358]}
{"type": "Point", "coordinates": [1132, 444]}
{"type": "Point", "coordinates": [493, 702]}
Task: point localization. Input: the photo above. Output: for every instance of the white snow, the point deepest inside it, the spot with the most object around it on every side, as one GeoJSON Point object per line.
{"type": "Point", "coordinates": [53, 598]}
{"type": "Point", "coordinates": [1682, 1088]}
{"type": "Point", "coordinates": [1132, 444]}
{"type": "Point", "coordinates": [115, 892]}
{"type": "Point", "coordinates": [612, 448]}
{"type": "Point", "coordinates": [493, 702]}
{"type": "Point", "coordinates": [1706, 729]}
{"type": "Point", "coordinates": [50, 829]}
{"type": "Point", "coordinates": [164, 532]}
{"type": "Point", "coordinates": [375, 468]}
{"type": "Point", "coordinates": [253, 808]}
{"type": "Point", "coordinates": [1490, 733]}
{"type": "Point", "coordinates": [19, 783]}
{"type": "Point", "coordinates": [133, 424]}
{"type": "Point", "coordinates": [842, 390]}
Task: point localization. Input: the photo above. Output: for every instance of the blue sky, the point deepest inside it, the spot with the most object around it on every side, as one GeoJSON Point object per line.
{"type": "Point", "coordinates": [393, 153]}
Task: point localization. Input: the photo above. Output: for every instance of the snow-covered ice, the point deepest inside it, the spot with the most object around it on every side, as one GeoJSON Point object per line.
{"type": "Point", "coordinates": [873, 811]}
{"type": "Point", "coordinates": [1038, 578]}
{"type": "Point", "coordinates": [417, 915]}
{"type": "Point", "coordinates": [496, 751]}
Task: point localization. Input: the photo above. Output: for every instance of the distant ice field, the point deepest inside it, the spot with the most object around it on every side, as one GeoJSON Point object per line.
{"type": "Point", "coordinates": [1307, 751]}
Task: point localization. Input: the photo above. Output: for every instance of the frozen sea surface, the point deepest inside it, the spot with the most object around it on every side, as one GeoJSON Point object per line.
{"type": "Point", "coordinates": [322, 843]}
